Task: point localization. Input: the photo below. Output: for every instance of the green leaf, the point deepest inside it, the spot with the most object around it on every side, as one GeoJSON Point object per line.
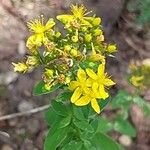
{"type": "Point", "coordinates": [60, 108]}
{"type": "Point", "coordinates": [78, 113]}
{"type": "Point", "coordinates": [103, 103]}
{"type": "Point", "coordinates": [139, 101]}
{"type": "Point", "coordinates": [124, 127]}
{"type": "Point", "coordinates": [39, 89]}
{"type": "Point", "coordinates": [63, 122]}
{"type": "Point", "coordinates": [122, 99]}
{"type": "Point", "coordinates": [146, 109]}
{"type": "Point", "coordinates": [104, 125]}
{"type": "Point", "coordinates": [73, 145]}
{"type": "Point", "coordinates": [104, 142]}
{"type": "Point", "coordinates": [54, 139]}
{"type": "Point", "coordinates": [50, 114]}
{"type": "Point", "coordinates": [143, 104]}
{"type": "Point", "coordinates": [64, 96]}
{"type": "Point", "coordinates": [88, 145]}
{"type": "Point", "coordinates": [84, 125]}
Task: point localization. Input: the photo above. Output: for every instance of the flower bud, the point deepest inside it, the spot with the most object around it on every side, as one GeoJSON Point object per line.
{"type": "Point", "coordinates": [88, 37]}
{"type": "Point", "coordinates": [74, 52]}
{"type": "Point", "coordinates": [67, 48]}
{"type": "Point", "coordinates": [96, 21]}
{"type": "Point", "coordinates": [67, 80]}
{"type": "Point", "coordinates": [47, 86]}
{"type": "Point", "coordinates": [74, 39]}
{"type": "Point", "coordinates": [84, 29]}
{"type": "Point", "coordinates": [111, 48]}
{"type": "Point", "coordinates": [100, 38]}
{"type": "Point", "coordinates": [98, 32]}
{"type": "Point", "coordinates": [57, 34]}
{"type": "Point", "coordinates": [49, 72]}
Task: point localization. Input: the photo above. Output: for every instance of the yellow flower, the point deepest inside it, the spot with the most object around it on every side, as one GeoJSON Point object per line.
{"type": "Point", "coordinates": [20, 67]}
{"type": "Point", "coordinates": [38, 28]}
{"type": "Point", "coordinates": [79, 13]}
{"type": "Point", "coordinates": [79, 85]}
{"type": "Point", "coordinates": [89, 96]}
{"type": "Point", "coordinates": [99, 81]}
{"type": "Point", "coordinates": [136, 80]}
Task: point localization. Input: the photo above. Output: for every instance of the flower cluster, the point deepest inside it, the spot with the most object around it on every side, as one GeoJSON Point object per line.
{"type": "Point", "coordinates": [140, 73]}
{"type": "Point", "coordinates": [90, 86]}
{"type": "Point", "coordinates": [80, 50]}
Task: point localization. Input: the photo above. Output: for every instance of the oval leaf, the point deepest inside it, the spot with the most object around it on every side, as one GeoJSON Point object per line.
{"type": "Point", "coordinates": [124, 127]}
{"type": "Point", "coordinates": [39, 89]}
{"type": "Point", "coordinates": [83, 125]}
{"type": "Point", "coordinates": [104, 142]}
{"type": "Point", "coordinates": [73, 145]}
{"type": "Point", "coordinates": [54, 139]}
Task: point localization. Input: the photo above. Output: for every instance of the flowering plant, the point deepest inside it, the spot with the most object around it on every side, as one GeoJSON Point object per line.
{"type": "Point", "coordinates": [74, 61]}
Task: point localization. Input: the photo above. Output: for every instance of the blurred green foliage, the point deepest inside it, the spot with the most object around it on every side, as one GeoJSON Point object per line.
{"type": "Point", "coordinates": [142, 8]}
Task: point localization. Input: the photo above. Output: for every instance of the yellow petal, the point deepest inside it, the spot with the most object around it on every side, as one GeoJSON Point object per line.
{"type": "Point", "coordinates": [81, 75]}
{"type": "Point", "coordinates": [95, 105]}
{"type": "Point", "coordinates": [65, 18]}
{"type": "Point", "coordinates": [84, 100]}
{"type": "Point", "coordinates": [89, 82]}
{"type": "Point", "coordinates": [84, 22]}
{"type": "Point", "coordinates": [95, 87]}
{"type": "Point", "coordinates": [108, 82]}
{"type": "Point", "coordinates": [73, 85]}
{"type": "Point", "coordinates": [76, 95]}
{"type": "Point", "coordinates": [91, 73]}
{"type": "Point", "coordinates": [101, 70]}
{"type": "Point", "coordinates": [50, 23]}
{"type": "Point", "coordinates": [103, 94]}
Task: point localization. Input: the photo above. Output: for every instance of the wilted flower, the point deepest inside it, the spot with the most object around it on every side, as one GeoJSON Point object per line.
{"type": "Point", "coordinates": [20, 67]}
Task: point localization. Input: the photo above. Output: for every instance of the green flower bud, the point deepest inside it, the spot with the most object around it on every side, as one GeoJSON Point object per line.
{"type": "Point", "coordinates": [67, 48]}
{"type": "Point", "coordinates": [96, 21]}
{"type": "Point", "coordinates": [111, 48]}
{"type": "Point", "coordinates": [49, 72]}
{"type": "Point", "coordinates": [98, 32]}
{"type": "Point", "coordinates": [74, 52]}
{"type": "Point", "coordinates": [88, 37]}
{"type": "Point", "coordinates": [57, 34]}
{"type": "Point", "coordinates": [74, 39]}
{"type": "Point", "coordinates": [84, 29]}
{"type": "Point", "coordinates": [47, 86]}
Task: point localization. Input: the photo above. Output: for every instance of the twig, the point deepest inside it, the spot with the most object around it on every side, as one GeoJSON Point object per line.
{"type": "Point", "coordinates": [4, 134]}
{"type": "Point", "coordinates": [32, 111]}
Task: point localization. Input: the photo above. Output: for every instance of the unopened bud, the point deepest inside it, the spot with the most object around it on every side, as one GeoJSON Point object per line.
{"type": "Point", "coordinates": [49, 72]}
{"type": "Point", "coordinates": [96, 21]}
{"type": "Point", "coordinates": [88, 37]}
{"type": "Point", "coordinates": [74, 39]}
{"type": "Point", "coordinates": [98, 32]}
{"type": "Point", "coordinates": [74, 52]}
{"type": "Point", "coordinates": [111, 48]}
